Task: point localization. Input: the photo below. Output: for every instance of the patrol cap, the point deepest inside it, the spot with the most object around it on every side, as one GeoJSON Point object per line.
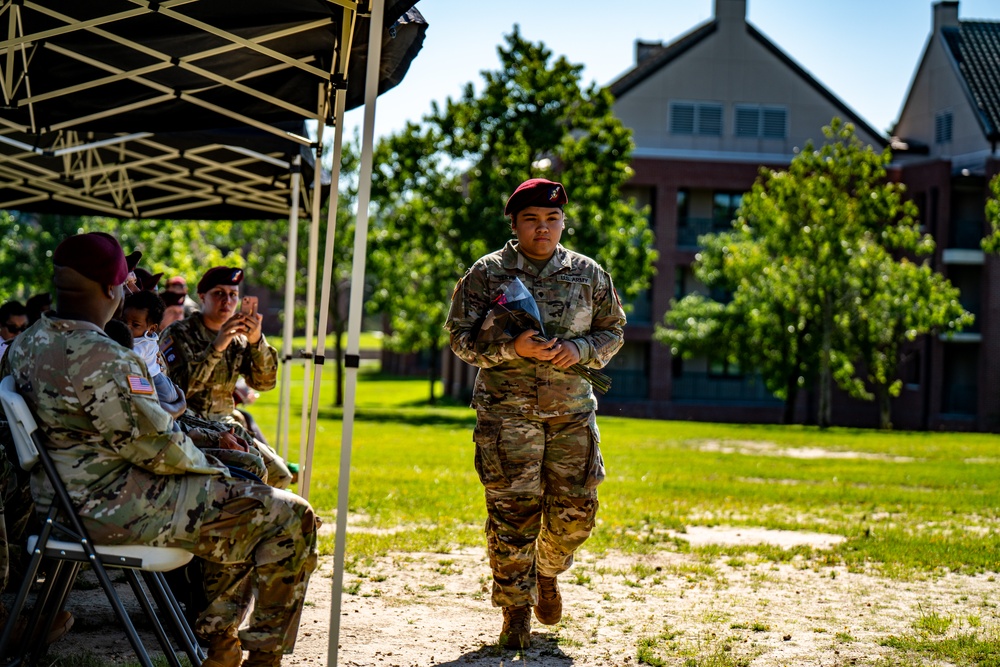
{"type": "Point", "coordinates": [97, 256]}
{"type": "Point", "coordinates": [147, 280]}
{"type": "Point", "coordinates": [536, 192]}
{"type": "Point", "coordinates": [220, 275]}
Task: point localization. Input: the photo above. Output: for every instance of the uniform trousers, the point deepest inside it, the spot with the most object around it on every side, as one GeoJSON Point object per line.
{"type": "Point", "coordinates": [541, 477]}
{"type": "Point", "coordinates": [254, 539]}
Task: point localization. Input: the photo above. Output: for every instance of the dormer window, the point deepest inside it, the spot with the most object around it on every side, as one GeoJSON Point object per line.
{"type": "Point", "coordinates": [942, 127]}
{"type": "Point", "coordinates": [701, 118]}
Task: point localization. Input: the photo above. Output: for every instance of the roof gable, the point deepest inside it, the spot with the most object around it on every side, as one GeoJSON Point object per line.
{"type": "Point", "coordinates": [670, 52]}
{"type": "Point", "coordinates": [974, 47]}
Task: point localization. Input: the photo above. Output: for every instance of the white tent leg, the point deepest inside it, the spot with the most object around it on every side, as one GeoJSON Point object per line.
{"type": "Point", "coordinates": [304, 426]}
{"type": "Point", "coordinates": [329, 275]}
{"type": "Point", "coordinates": [291, 266]}
{"type": "Point", "coordinates": [354, 318]}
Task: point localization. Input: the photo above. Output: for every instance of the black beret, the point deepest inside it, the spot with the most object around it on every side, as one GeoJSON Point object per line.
{"type": "Point", "coordinates": [536, 192]}
{"type": "Point", "coordinates": [147, 280]}
{"type": "Point", "coordinates": [220, 275]}
{"type": "Point", "coordinates": [97, 256]}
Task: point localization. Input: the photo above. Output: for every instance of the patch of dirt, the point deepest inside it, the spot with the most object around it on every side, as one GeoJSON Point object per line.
{"type": "Point", "coordinates": [434, 609]}
{"type": "Point", "coordinates": [760, 448]}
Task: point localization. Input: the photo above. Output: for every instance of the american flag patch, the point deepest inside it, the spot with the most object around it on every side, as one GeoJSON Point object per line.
{"type": "Point", "coordinates": [140, 385]}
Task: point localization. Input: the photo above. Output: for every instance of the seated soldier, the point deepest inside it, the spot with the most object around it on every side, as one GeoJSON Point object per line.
{"type": "Point", "coordinates": [207, 352]}
{"type": "Point", "coordinates": [135, 481]}
{"type": "Point", "coordinates": [13, 320]}
{"type": "Point", "coordinates": [142, 313]}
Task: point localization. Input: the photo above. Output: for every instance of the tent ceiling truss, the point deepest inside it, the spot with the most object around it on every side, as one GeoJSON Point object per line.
{"type": "Point", "coordinates": [138, 174]}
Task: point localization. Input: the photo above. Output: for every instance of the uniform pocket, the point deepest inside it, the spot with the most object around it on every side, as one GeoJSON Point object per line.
{"type": "Point", "coordinates": [595, 461]}
{"type": "Point", "coordinates": [488, 463]}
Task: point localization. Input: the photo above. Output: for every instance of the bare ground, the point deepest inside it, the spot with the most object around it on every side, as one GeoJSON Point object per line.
{"type": "Point", "coordinates": [434, 609]}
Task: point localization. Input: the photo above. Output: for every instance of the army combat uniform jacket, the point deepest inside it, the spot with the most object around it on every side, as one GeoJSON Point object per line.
{"type": "Point", "coordinates": [207, 376]}
{"type": "Point", "coordinates": [577, 302]}
{"type": "Point", "coordinates": [111, 442]}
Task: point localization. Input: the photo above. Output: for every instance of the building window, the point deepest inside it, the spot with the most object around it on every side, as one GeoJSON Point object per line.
{"type": "Point", "coordinates": [942, 127]}
{"type": "Point", "coordinates": [700, 118]}
{"type": "Point", "coordinates": [760, 122]}
{"type": "Point", "coordinates": [724, 207]}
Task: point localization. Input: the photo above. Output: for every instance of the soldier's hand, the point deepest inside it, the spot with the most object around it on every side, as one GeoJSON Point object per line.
{"type": "Point", "coordinates": [233, 327]}
{"type": "Point", "coordinates": [253, 323]}
{"type": "Point", "coordinates": [527, 347]}
{"type": "Point", "coordinates": [567, 354]}
{"type": "Point", "coordinates": [231, 441]}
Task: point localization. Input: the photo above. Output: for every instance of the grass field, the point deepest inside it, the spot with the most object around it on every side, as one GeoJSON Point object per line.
{"type": "Point", "coordinates": [909, 504]}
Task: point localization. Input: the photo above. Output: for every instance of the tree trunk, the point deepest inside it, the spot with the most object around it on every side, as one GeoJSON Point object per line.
{"type": "Point", "coordinates": [432, 371]}
{"type": "Point", "coordinates": [825, 384]}
{"type": "Point", "coordinates": [791, 394]}
{"type": "Point", "coordinates": [338, 339]}
{"type": "Point", "coordinates": [884, 407]}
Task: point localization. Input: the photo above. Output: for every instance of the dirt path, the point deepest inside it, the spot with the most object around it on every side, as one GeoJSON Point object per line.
{"type": "Point", "coordinates": [434, 609]}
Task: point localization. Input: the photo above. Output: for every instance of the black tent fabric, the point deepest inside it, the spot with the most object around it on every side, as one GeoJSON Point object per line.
{"type": "Point", "coordinates": [178, 108]}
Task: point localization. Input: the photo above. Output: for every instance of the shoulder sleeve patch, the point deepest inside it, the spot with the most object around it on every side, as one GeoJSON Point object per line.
{"type": "Point", "coordinates": [140, 385]}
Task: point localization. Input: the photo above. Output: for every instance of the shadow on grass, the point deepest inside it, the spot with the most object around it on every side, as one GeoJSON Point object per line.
{"type": "Point", "coordinates": [423, 417]}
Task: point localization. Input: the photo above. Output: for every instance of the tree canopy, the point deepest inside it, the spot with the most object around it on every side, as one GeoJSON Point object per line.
{"type": "Point", "coordinates": [440, 185]}
{"type": "Point", "coordinates": [823, 282]}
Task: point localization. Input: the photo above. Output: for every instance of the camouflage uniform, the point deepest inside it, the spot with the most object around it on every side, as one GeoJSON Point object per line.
{"type": "Point", "coordinates": [536, 435]}
{"type": "Point", "coordinates": [136, 481]}
{"type": "Point", "coordinates": [208, 378]}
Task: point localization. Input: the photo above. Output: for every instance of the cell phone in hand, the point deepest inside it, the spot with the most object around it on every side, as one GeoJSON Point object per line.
{"type": "Point", "coordinates": [249, 305]}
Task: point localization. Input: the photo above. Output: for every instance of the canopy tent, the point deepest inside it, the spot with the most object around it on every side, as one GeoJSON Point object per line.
{"type": "Point", "coordinates": [197, 108]}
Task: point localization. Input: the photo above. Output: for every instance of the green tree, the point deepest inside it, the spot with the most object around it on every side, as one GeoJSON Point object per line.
{"type": "Point", "coordinates": [442, 184]}
{"type": "Point", "coordinates": [265, 246]}
{"type": "Point", "coordinates": [991, 243]}
{"type": "Point", "coordinates": [174, 246]}
{"type": "Point", "coordinates": [817, 293]}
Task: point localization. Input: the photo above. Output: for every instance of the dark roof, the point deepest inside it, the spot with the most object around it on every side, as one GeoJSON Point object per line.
{"type": "Point", "coordinates": [656, 61]}
{"type": "Point", "coordinates": [975, 48]}
{"type": "Point", "coordinates": [653, 62]}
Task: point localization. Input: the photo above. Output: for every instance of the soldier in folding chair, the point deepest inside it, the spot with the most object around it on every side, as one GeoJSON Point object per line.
{"type": "Point", "coordinates": [135, 481]}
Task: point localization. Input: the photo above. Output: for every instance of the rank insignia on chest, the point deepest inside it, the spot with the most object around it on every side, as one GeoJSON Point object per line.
{"type": "Point", "coordinates": [140, 385]}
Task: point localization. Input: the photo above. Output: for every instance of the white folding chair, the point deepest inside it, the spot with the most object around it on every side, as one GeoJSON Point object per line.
{"type": "Point", "coordinates": [65, 542]}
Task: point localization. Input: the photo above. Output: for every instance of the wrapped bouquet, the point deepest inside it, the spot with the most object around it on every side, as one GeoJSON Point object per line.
{"type": "Point", "coordinates": [515, 311]}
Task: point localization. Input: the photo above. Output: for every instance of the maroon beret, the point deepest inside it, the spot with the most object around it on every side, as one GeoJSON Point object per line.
{"type": "Point", "coordinates": [172, 298]}
{"type": "Point", "coordinates": [220, 275]}
{"type": "Point", "coordinates": [536, 192]}
{"type": "Point", "coordinates": [147, 280]}
{"type": "Point", "coordinates": [97, 256]}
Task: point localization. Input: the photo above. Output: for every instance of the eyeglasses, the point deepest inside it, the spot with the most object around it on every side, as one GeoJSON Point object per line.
{"type": "Point", "coordinates": [14, 329]}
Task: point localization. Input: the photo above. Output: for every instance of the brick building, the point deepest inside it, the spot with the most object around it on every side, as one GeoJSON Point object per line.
{"type": "Point", "coordinates": [707, 111]}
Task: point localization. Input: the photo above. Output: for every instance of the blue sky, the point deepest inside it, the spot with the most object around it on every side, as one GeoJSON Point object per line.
{"type": "Point", "coordinates": [865, 51]}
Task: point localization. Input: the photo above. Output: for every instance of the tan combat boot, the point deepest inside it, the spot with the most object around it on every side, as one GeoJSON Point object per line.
{"type": "Point", "coordinates": [548, 611]}
{"type": "Point", "coordinates": [516, 633]}
{"type": "Point", "coordinates": [223, 650]}
{"type": "Point", "coordinates": [262, 659]}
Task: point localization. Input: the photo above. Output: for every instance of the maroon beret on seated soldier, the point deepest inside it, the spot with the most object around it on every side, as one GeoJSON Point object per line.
{"type": "Point", "coordinates": [147, 280]}
{"type": "Point", "coordinates": [97, 256]}
{"type": "Point", "coordinates": [536, 192]}
{"type": "Point", "coordinates": [220, 275]}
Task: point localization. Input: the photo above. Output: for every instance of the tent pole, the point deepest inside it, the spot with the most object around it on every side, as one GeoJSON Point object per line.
{"type": "Point", "coordinates": [311, 287]}
{"type": "Point", "coordinates": [352, 357]}
{"type": "Point", "coordinates": [329, 276]}
{"type": "Point", "coordinates": [291, 268]}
